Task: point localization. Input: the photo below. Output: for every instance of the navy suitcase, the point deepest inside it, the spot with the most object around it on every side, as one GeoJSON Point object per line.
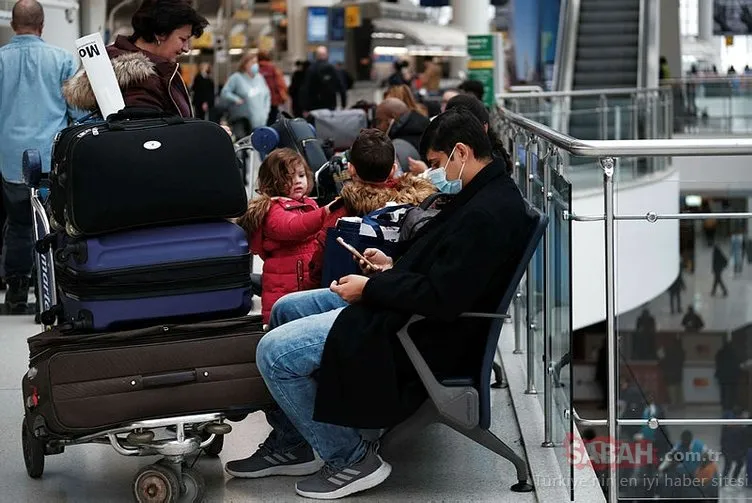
{"type": "Point", "coordinates": [190, 272]}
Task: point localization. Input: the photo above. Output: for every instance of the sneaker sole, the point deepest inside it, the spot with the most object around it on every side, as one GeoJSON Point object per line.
{"type": "Point", "coordinates": [298, 470]}
{"type": "Point", "coordinates": [368, 482]}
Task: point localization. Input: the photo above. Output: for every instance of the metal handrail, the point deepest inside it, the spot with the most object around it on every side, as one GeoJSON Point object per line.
{"type": "Point", "coordinates": [581, 92]}
{"type": "Point", "coordinates": [632, 148]}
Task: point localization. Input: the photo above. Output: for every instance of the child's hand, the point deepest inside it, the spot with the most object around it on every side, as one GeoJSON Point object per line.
{"type": "Point", "coordinates": [334, 205]}
{"type": "Point", "coordinates": [416, 166]}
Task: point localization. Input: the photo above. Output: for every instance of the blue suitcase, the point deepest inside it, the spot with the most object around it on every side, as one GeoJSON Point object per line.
{"type": "Point", "coordinates": [192, 272]}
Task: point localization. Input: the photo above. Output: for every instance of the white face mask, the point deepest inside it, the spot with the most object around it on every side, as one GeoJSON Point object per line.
{"type": "Point", "coordinates": [438, 177]}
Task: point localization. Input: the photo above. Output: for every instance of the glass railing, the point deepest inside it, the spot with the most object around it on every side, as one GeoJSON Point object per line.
{"type": "Point", "coordinates": [601, 114]}
{"type": "Point", "coordinates": [641, 369]}
{"type": "Point", "coordinates": [712, 105]}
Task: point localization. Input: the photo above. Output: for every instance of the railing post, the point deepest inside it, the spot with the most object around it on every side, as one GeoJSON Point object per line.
{"type": "Point", "coordinates": [517, 324]}
{"type": "Point", "coordinates": [603, 116]}
{"type": "Point", "coordinates": [617, 123]}
{"type": "Point", "coordinates": [530, 315]}
{"type": "Point", "coordinates": [609, 164]}
{"type": "Point", "coordinates": [635, 117]}
{"type": "Point", "coordinates": [548, 382]}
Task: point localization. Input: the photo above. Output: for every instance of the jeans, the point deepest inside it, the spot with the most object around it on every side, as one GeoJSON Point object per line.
{"type": "Point", "coordinates": [287, 357]}
{"type": "Point", "coordinates": [18, 236]}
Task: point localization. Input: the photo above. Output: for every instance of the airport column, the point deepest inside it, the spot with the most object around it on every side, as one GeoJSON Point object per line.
{"type": "Point", "coordinates": [472, 17]}
{"type": "Point", "coordinates": [297, 25]}
{"type": "Point", "coordinates": [705, 20]}
{"type": "Point", "coordinates": [93, 17]}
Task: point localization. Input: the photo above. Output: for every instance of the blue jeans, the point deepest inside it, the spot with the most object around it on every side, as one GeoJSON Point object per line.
{"type": "Point", "coordinates": [287, 357]}
{"type": "Point", "coordinates": [18, 235]}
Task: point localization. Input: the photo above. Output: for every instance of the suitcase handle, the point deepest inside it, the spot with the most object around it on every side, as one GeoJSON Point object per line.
{"type": "Point", "coordinates": [129, 113]}
{"type": "Point", "coordinates": [172, 379]}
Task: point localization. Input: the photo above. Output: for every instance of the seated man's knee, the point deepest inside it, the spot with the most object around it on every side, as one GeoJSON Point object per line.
{"type": "Point", "coordinates": [270, 348]}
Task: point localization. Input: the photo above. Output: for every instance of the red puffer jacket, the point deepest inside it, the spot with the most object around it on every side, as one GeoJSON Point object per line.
{"type": "Point", "coordinates": [285, 241]}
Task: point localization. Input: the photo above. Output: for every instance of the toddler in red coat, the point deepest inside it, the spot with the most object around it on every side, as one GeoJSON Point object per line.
{"type": "Point", "coordinates": [282, 225]}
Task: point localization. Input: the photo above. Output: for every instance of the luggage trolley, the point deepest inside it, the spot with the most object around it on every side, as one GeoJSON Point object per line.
{"type": "Point", "coordinates": [170, 479]}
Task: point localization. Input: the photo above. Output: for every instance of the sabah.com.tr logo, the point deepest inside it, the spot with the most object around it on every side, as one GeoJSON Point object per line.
{"type": "Point", "coordinates": [601, 452]}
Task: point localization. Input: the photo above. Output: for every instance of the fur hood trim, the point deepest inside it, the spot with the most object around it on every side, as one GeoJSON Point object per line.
{"type": "Point", "coordinates": [130, 68]}
{"type": "Point", "coordinates": [362, 198]}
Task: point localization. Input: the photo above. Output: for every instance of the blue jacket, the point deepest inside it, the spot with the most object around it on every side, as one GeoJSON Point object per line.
{"type": "Point", "coordinates": [257, 100]}
{"type": "Point", "coordinates": [32, 107]}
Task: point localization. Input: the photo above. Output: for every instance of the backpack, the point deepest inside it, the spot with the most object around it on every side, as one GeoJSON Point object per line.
{"type": "Point", "coordinates": [416, 218]}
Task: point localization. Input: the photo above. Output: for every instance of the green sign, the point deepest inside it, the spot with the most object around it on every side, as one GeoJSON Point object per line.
{"type": "Point", "coordinates": [481, 66]}
{"type": "Point", "coordinates": [480, 47]}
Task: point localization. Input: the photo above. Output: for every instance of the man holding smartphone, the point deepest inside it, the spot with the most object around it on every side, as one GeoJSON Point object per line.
{"type": "Point", "coordinates": [332, 360]}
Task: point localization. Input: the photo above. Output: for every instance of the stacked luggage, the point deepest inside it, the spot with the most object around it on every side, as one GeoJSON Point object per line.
{"type": "Point", "coordinates": [150, 286]}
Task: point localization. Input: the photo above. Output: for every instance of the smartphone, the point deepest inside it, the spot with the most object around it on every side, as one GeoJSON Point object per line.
{"type": "Point", "coordinates": [357, 254]}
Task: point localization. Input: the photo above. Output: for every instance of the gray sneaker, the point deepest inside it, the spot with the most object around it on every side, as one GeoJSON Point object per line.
{"type": "Point", "coordinates": [330, 483]}
{"type": "Point", "coordinates": [266, 462]}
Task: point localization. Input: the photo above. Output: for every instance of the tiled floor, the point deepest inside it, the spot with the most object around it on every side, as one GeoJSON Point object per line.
{"type": "Point", "coordinates": [438, 465]}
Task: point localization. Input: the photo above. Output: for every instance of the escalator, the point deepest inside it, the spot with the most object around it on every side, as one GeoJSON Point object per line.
{"type": "Point", "coordinates": [606, 56]}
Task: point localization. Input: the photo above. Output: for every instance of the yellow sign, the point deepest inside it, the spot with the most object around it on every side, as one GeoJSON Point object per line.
{"type": "Point", "coordinates": [242, 15]}
{"type": "Point", "coordinates": [729, 40]}
{"type": "Point", "coordinates": [205, 41]}
{"type": "Point", "coordinates": [238, 41]}
{"type": "Point", "coordinates": [352, 16]}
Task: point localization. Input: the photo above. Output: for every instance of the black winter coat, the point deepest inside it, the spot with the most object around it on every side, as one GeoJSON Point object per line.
{"type": "Point", "coordinates": [462, 260]}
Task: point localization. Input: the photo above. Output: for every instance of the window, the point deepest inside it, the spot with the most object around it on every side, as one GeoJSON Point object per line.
{"type": "Point", "coordinates": [689, 23]}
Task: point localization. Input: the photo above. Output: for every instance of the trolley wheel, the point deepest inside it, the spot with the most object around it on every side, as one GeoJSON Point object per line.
{"type": "Point", "coordinates": [156, 484]}
{"type": "Point", "coordinates": [193, 486]}
{"type": "Point", "coordinates": [33, 451]}
{"type": "Point", "coordinates": [215, 447]}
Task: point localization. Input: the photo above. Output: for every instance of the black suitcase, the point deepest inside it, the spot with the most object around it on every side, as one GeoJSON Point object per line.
{"type": "Point", "coordinates": [140, 169]}
{"type": "Point", "coordinates": [84, 384]}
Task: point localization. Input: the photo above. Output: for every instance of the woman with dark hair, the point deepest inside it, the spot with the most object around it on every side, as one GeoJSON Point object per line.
{"type": "Point", "coordinates": [145, 63]}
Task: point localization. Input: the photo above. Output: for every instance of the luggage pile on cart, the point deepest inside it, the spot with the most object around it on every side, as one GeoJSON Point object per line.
{"type": "Point", "coordinates": [144, 287]}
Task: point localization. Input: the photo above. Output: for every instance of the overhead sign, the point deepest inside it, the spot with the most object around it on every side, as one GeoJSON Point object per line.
{"type": "Point", "coordinates": [486, 64]}
{"type": "Point", "coordinates": [352, 16]}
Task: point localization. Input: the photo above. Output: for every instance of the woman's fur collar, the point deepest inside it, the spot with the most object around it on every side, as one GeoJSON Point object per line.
{"type": "Point", "coordinates": [130, 68]}
{"type": "Point", "coordinates": [361, 198]}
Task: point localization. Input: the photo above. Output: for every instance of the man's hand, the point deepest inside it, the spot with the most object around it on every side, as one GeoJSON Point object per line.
{"type": "Point", "coordinates": [350, 288]}
{"type": "Point", "coordinates": [377, 258]}
{"type": "Point", "coordinates": [416, 166]}
{"type": "Point", "coordinates": [205, 107]}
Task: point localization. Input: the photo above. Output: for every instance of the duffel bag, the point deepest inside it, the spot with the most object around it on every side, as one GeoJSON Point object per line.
{"type": "Point", "coordinates": [342, 127]}
{"type": "Point", "coordinates": [140, 168]}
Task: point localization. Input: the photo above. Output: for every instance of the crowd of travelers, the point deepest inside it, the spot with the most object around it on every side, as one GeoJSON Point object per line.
{"type": "Point", "coordinates": [327, 385]}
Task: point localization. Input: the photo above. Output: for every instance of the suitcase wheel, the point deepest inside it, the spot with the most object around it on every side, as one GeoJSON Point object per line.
{"type": "Point", "coordinates": [193, 487]}
{"type": "Point", "coordinates": [33, 451]}
{"type": "Point", "coordinates": [156, 484]}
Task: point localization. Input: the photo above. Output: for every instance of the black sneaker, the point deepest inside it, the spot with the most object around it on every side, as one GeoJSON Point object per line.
{"type": "Point", "coordinates": [17, 296]}
{"type": "Point", "coordinates": [330, 483]}
{"type": "Point", "coordinates": [265, 462]}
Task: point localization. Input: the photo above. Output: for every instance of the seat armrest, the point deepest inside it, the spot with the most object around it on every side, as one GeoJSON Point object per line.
{"type": "Point", "coordinates": [424, 372]}
{"type": "Point", "coordinates": [458, 405]}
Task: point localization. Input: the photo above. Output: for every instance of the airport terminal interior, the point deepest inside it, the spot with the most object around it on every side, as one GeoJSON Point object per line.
{"type": "Point", "coordinates": [623, 368]}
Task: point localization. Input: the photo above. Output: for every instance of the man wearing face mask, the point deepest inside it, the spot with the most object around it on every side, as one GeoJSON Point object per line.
{"type": "Point", "coordinates": [462, 260]}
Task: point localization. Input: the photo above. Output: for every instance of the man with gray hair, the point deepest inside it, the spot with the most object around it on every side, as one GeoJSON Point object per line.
{"type": "Point", "coordinates": [32, 111]}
